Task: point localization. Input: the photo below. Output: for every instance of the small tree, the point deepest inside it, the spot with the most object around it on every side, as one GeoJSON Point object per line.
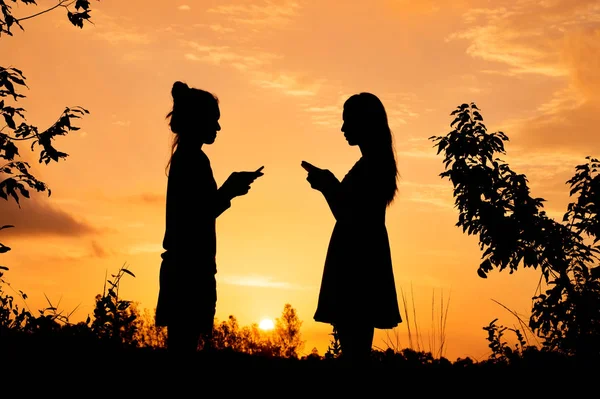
{"type": "Point", "coordinates": [149, 335]}
{"type": "Point", "coordinates": [287, 332]}
{"type": "Point", "coordinates": [514, 231]}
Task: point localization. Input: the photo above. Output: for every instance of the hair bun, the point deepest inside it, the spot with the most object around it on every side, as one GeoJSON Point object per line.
{"type": "Point", "coordinates": [179, 89]}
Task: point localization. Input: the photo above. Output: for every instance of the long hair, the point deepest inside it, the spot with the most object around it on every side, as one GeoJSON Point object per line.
{"type": "Point", "coordinates": [189, 105]}
{"type": "Point", "coordinates": [371, 114]}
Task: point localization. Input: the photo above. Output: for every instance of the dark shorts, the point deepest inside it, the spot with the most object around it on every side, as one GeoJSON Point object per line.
{"type": "Point", "coordinates": [187, 295]}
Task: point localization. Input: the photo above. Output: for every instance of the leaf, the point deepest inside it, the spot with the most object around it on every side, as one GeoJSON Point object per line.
{"type": "Point", "coordinates": [85, 4]}
{"type": "Point", "coordinates": [6, 226]}
{"type": "Point", "coordinates": [4, 248]}
{"type": "Point", "coordinates": [3, 268]}
{"type": "Point", "coordinates": [9, 121]}
{"type": "Point", "coordinates": [128, 272]}
{"type": "Point", "coordinates": [481, 273]}
{"type": "Point", "coordinates": [18, 81]}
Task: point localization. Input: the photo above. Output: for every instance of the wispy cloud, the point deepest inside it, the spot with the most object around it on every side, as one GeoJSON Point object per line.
{"type": "Point", "coordinates": [257, 65]}
{"type": "Point", "coordinates": [556, 40]}
{"type": "Point", "coordinates": [120, 36]}
{"type": "Point", "coordinates": [287, 83]}
{"type": "Point", "coordinates": [145, 248]}
{"type": "Point", "coordinates": [259, 14]}
{"type": "Point", "coordinates": [399, 107]}
{"type": "Point", "coordinates": [260, 281]}
{"type": "Point", "coordinates": [218, 28]}
{"type": "Point", "coordinates": [226, 55]}
{"type": "Point", "coordinates": [184, 7]}
{"type": "Point", "coordinates": [527, 36]}
{"type": "Point", "coordinates": [117, 30]}
{"type": "Point", "coordinates": [436, 194]}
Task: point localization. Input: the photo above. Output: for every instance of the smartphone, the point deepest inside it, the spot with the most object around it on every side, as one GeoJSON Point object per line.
{"type": "Point", "coordinates": [307, 166]}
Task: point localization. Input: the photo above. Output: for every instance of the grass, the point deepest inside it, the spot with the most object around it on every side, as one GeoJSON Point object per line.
{"type": "Point", "coordinates": [436, 336]}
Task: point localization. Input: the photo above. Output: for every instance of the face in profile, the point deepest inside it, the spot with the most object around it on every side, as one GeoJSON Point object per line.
{"type": "Point", "coordinates": [210, 126]}
{"type": "Point", "coordinates": [352, 127]}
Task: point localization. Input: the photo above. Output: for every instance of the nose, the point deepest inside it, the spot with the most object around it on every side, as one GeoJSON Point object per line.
{"type": "Point", "coordinates": [218, 127]}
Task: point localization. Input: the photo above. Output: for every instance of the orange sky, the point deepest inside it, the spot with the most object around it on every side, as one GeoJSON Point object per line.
{"type": "Point", "coordinates": [282, 70]}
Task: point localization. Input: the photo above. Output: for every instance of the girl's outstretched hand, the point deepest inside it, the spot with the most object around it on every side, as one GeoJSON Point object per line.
{"type": "Point", "coordinates": [321, 179]}
{"type": "Point", "coordinates": [238, 183]}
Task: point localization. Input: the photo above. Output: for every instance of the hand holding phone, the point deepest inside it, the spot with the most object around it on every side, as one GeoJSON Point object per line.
{"type": "Point", "coordinates": [308, 166]}
{"type": "Point", "coordinates": [251, 176]}
{"type": "Point", "coordinates": [238, 183]}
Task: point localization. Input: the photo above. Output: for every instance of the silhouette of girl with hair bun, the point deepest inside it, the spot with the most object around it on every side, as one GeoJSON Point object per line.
{"type": "Point", "coordinates": [188, 293]}
{"type": "Point", "coordinates": [358, 293]}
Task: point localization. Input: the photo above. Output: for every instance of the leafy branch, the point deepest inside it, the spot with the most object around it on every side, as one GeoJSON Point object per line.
{"type": "Point", "coordinates": [19, 179]}
{"type": "Point", "coordinates": [77, 17]}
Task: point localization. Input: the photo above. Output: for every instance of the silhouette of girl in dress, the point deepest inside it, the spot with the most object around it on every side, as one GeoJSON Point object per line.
{"type": "Point", "coordinates": [358, 292]}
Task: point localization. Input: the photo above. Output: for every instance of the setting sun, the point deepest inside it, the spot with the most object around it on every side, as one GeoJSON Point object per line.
{"type": "Point", "coordinates": [266, 324]}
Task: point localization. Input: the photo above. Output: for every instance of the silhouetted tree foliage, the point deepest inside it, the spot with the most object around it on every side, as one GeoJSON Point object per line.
{"type": "Point", "coordinates": [115, 319]}
{"type": "Point", "coordinates": [287, 332]}
{"type": "Point", "coordinates": [514, 231]}
{"type": "Point", "coordinates": [285, 341]}
{"type": "Point", "coordinates": [148, 334]}
{"type": "Point", "coordinates": [334, 349]}
{"type": "Point", "coordinates": [78, 11]}
{"type": "Point", "coordinates": [15, 177]}
{"type": "Point", "coordinates": [228, 335]}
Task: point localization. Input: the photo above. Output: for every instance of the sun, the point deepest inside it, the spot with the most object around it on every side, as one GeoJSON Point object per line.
{"type": "Point", "coordinates": [266, 324]}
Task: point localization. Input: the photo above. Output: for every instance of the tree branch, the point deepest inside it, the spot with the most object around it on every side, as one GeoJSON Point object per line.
{"type": "Point", "coordinates": [60, 4]}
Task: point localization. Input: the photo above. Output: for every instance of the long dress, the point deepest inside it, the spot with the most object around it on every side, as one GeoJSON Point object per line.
{"type": "Point", "coordinates": [187, 293]}
{"type": "Point", "coordinates": [358, 280]}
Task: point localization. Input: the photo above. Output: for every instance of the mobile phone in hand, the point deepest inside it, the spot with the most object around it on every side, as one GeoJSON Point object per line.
{"type": "Point", "coordinates": [308, 166]}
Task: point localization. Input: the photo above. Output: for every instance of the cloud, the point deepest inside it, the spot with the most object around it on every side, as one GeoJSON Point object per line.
{"type": "Point", "coordinates": [330, 115]}
{"type": "Point", "coordinates": [145, 248]}
{"type": "Point", "coordinates": [259, 281]}
{"type": "Point", "coordinates": [98, 250]}
{"type": "Point", "coordinates": [117, 30]}
{"type": "Point", "coordinates": [184, 7]}
{"type": "Point", "coordinates": [37, 217]}
{"type": "Point", "coordinates": [257, 65]}
{"type": "Point", "coordinates": [120, 36]}
{"type": "Point", "coordinates": [558, 41]}
{"type": "Point", "coordinates": [398, 109]}
{"type": "Point", "coordinates": [258, 15]}
{"type": "Point", "coordinates": [292, 85]}
{"type": "Point", "coordinates": [526, 36]}
{"type": "Point", "coordinates": [148, 198]}
{"type": "Point", "coordinates": [226, 55]}
{"type": "Point", "coordinates": [216, 27]}
{"type": "Point", "coordinates": [436, 194]}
